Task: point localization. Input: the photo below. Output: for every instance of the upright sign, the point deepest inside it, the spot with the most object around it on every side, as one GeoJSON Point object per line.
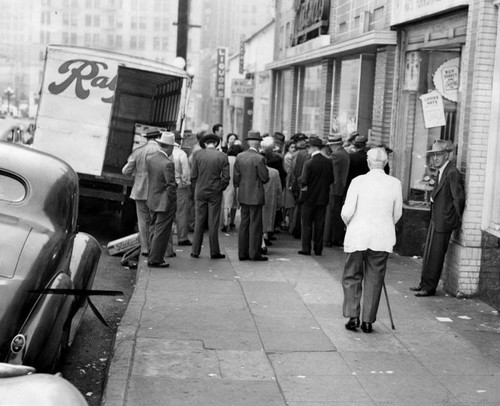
{"type": "Point", "coordinates": [312, 19]}
{"type": "Point", "coordinates": [408, 10]}
{"type": "Point", "coordinates": [220, 76]}
{"type": "Point", "coordinates": [433, 109]}
{"type": "Point", "coordinates": [242, 55]}
{"type": "Point", "coordinates": [242, 87]}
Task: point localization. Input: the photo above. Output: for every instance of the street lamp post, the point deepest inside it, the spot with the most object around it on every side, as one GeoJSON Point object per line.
{"type": "Point", "coordinates": [8, 92]}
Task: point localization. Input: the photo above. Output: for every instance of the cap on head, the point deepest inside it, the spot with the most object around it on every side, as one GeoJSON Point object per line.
{"type": "Point", "coordinates": [441, 146]}
{"type": "Point", "coordinates": [254, 135]}
{"type": "Point", "coordinates": [209, 138]}
{"type": "Point", "coordinates": [316, 142]}
{"type": "Point", "coordinates": [166, 139]}
{"type": "Point", "coordinates": [152, 132]}
{"type": "Point", "coordinates": [377, 155]}
{"type": "Point", "coordinates": [334, 139]}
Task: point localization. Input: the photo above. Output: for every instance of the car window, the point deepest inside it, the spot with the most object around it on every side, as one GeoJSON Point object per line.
{"type": "Point", "coordinates": [12, 189]}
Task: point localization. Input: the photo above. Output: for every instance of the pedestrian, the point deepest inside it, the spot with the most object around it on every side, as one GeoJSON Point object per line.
{"type": "Point", "coordinates": [229, 142]}
{"type": "Point", "coordinates": [229, 196]}
{"type": "Point", "coordinates": [250, 175]}
{"type": "Point", "coordinates": [357, 158]}
{"type": "Point", "coordinates": [136, 167]}
{"type": "Point", "coordinates": [315, 181]}
{"type": "Point", "coordinates": [183, 180]}
{"type": "Point", "coordinates": [447, 206]}
{"type": "Point", "coordinates": [210, 171]}
{"type": "Point", "coordinates": [334, 226]}
{"type": "Point", "coordinates": [218, 130]}
{"type": "Point", "coordinates": [300, 156]}
{"type": "Point", "coordinates": [162, 198]}
{"type": "Point", "coordinates": [272, 193]}
{"type": "Point", "coordinates": [372, 207]}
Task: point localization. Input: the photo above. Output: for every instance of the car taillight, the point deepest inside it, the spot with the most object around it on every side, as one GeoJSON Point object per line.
{"type": "Point", "coordinates": [18, 343]}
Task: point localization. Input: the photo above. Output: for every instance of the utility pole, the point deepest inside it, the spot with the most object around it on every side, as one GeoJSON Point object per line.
{"type": "Point", "coordinates": [182, 28]}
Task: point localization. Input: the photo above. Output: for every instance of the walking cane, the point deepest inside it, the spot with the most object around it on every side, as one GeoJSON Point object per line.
{"type": "Point", "coordinates": [388, 306]}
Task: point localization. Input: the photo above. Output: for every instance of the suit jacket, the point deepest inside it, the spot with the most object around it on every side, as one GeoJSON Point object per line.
{"type": "Point", "coordinates": [250, 174]}
{"type": "Point", "coordinates": [341, 161]}
{"type": "Point", "coordinates": [357, 165]}
{"type": "Point", "coordinates": [298, 159]}
{"type": "Point", "coordinates": [136, 166]}
{"type": "Point", "coordinates": [448, 200]}
{"type": "Point", "coordinates": [210, 171]}
{"type": "Point", "coordinates": [317, 175]}
{"type": "Point", "coordinates": [162, 189]}
{"type": "Point", "coordinates": [373, 205]}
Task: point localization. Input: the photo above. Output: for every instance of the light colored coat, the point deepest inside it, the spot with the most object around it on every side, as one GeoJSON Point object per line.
{"type": "Point", "coordinates": [373, 205]}
{"type": "Point", "coordinates": [272, 192]}
{"type": "Point", "coordinates": [136, 166]}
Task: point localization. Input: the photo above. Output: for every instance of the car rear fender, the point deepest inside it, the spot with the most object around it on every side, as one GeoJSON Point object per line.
{"type": "Point", "coordinates": [44, 328]}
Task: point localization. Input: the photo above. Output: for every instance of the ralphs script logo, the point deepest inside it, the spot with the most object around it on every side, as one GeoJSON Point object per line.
{"type": "Point", "coordinates": [85, 75]}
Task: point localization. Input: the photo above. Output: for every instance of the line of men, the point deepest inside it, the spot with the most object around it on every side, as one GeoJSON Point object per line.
{"type": "Point", "coordinates": [351, 188]}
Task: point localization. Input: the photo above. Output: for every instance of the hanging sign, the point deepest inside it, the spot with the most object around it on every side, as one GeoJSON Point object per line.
{"type": "Point", "coordinates": [447, 79]}
{"type": "Point", "coordinates": [433, 109]}
{"type": "Point", "coordinates": [412, 71]}
{"type": "Point", "coordinates": [220, 77]}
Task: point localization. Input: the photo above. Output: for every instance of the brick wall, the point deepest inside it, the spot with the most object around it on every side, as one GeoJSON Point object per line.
{"type": "Point", "coordinates": [464, 259]}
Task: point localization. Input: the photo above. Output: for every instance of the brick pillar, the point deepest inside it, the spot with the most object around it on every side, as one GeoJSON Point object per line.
{"type": "Point", "coordinates": [326, 96]}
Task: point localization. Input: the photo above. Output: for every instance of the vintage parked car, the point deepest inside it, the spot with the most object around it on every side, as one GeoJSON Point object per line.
{"type": "Point", "coordinates": [40, 249]}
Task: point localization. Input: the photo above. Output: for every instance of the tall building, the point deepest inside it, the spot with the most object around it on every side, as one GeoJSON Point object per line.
{"type": "Point", "coordinates": [144, 28]}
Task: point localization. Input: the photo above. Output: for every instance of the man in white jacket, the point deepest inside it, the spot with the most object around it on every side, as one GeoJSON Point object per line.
{"type": "Point", "coordinates": [372, 208]}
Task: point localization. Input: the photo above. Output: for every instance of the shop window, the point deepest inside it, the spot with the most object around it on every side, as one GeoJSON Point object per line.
{"type": "Point", "coordinates": [310, 95]}
{"type": "Point", "coordinates": [283, 101]}
{"type": "Point", "coordinates": [431, 93]}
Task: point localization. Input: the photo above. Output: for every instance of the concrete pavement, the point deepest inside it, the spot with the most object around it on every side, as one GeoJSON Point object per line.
{"type": "Point", "coordinates": [225, 332]}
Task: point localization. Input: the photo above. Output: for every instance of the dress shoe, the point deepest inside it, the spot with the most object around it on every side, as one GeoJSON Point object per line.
{"type": "Point", "coordinates": [223, 229]}
{"type": "Point", "coordinates": [318, 253]}
{"type": "Point", "coordinates": [158, 265]}
{"type": "Point", "coordinates": [244, 258]}
{"type": "Point", "coordinates": [194, 255]}
{"type": "Point", "coordinates": [424, 293]}
{"type": "Point", "coordinates": [185, 242]}
{"type": "Point", "coordinates": [366, 327]}
{"type": "Point", "coordinates": [268, 242]}
{"type": "Point", "coordinates": [416, 288]}
{"type": "Point", "coordinates": [304, 252]}
{"type": "Point", "coordinates": [144, 254]}
{"type": "Point", "coordinates": [260, 258]}
{"type": "Point", "coordinates": [232, 226]}
{"type": "Point", "coordinates": [218, 256]}
{"type": "Point", "coordinates": [352, 324]}
{"type": "Point", "coordinates": [173, 254]}
{"type": "Point", "coordinates": [263, 250]}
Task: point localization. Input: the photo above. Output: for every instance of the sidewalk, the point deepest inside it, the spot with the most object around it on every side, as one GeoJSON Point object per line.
{"type": "Point", "coordinates": [225, 332]}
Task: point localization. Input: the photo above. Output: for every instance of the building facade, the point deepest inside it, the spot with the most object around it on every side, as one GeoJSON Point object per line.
{"type": "Point", "coordinates": [405, 74]}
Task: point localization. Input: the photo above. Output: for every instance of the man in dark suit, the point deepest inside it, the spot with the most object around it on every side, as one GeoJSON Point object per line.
{"type": "Point", "coordinates": [210, 172]}
{"type": "Point", "coordinates": [447, 206]}
{"type": "Point", "coordinates": [357, 159]}
{"type": "Point", "coordinates": [317, 175]}
{"type": "Point", "coordinates": [250, 174]}
{"type": "Point", "coordinates": [334, 226]}
{"type": "Point", "coordinates": [300, 156]}
{"type": "Point", "coordinates": [162, 198]}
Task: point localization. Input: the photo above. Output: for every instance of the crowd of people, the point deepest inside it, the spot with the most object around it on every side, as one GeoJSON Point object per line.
{"type": "Point", "coordinates": [325, 192]}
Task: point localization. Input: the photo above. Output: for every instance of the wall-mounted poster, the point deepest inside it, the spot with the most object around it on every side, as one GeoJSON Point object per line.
{"type": "Point", "coordinates": [433, 109]}
{"type": "Point", "coordinates": [447, 79]}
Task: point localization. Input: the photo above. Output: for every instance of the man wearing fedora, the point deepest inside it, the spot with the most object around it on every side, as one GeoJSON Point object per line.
{"type": "Point", "coordinates": [357, 158]}
{"type": "Point", "coordinates": [447, 206]}
{"type": "Point", "coordinates": [250, 174]}
{"type": "Point", "coordinates": [162, 198]}
{"type": "Point", "coordinates": [210, 172]}
{"type": "Point", "coordinates": [334, 226]}
{"type": "Point", "coordinates": [315, 181]}
{"type": "Point", "coordinates": [136, 167]}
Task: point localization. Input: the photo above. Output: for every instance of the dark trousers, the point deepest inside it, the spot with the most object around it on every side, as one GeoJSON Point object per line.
{"type": "Point", "coordinates": [313, 227]}
{"type": "Point", "coordinates": [435, 249]}
{"type": "Point", "coordinates": [159, 233]}
{"type": "Point", "coordinates": [207, 209]}
{"type": "Point", "coordinates": [295, 226]}
{"type": "Point", "coordinates": [250, 231]}
{"type": "Point", "coordinates": [334, 226]}
{"type": "Point", "coordinates": [370, 266]}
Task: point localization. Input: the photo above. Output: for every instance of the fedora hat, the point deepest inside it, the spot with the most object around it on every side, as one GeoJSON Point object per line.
{"type": "Point", "coordinates": [209, 138]}
{"type": "Point", "coordinates": [279, 137]}
{"type": "Point", "coordinates": [151, 132]}
{"type": "Point", "coordinates": [334, 139]}
{"type": "Point", "coordinates": [315, 142]}
{"type": "Point", "coordinates": [440, 146]}
{"type": "Point", "coordinates": [254, 135]}
{"type": "Point", "coordinates": [166, 139]}
{"type": "Point", "coordinates": [299, 137]}
{"type": "Point", "coordinates": [360, 141]}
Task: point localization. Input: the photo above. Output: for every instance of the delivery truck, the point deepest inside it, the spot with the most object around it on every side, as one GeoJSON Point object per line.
{"type": "Point", "coordinates": [93, 106]}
